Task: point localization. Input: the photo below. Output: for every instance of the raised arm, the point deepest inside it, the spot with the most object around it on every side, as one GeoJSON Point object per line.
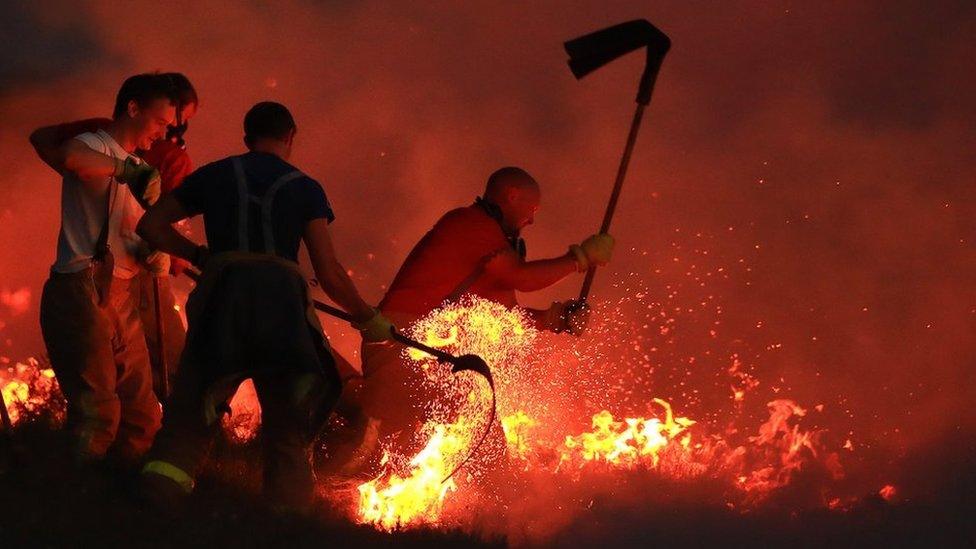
{"type": "Point", "coordinates": [49, 140]}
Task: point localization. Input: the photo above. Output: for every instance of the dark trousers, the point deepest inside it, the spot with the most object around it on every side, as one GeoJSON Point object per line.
{"type": "Point", "coordinates": [294, 407]}
{"type": "Point", "coordinates": [99, 357]}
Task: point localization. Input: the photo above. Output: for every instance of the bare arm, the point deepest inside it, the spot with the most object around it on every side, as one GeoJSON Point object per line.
{"type": "Point", "coordinates": [529, 276]}
{"type": "Point", "coordinates": [330, 273]}
{"type": "Point", "coordinates": [156, 228]}
{"type": "Point", "coordinates": [87, 164]}
{"type": "Point", "coordinates": [47, 145]}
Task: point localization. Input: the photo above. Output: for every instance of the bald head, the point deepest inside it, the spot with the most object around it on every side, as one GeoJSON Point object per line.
{"type": "Point", "coordinates": [517, 194]}
{"type": "Point", "coordinates": [507, 178]}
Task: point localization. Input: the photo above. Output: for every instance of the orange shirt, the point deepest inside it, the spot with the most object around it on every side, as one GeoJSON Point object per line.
{"type": "Point", "coordinates": [445, 257]}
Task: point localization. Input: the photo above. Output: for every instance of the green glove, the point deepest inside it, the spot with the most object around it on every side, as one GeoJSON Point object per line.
{"type": "Point", "coordinates": [593, 252]}
{"type": "Point", "coordinates": [143, 180]}
{"type": "Point", "coordinates": [377, 329]}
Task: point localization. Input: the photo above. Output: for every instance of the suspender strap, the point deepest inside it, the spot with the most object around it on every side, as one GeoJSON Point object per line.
{"type": "Point", "coordinates": [266, 203]}
{"type": "Point", "coordinates": [243, 204]}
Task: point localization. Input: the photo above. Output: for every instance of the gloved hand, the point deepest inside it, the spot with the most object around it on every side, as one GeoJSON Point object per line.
{"type": "Point", "coordinates": [592, 252]}
{"type": "Point", "coordinates": [378, 329]}
{"type": "Point", "coordinates": [577, 317]}
{"type": "Point", "coordinates": [143, 180]}
{"type": "Point", "coordinates": [157, 263]}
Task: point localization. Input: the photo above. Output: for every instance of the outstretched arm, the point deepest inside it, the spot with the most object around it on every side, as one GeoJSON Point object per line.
{"type": "Point", "coordinates": [330, 273]}
{"type": "Point", "coordinates": [529, 276]}
{"type": "Point", "coordinates": [156, 228]}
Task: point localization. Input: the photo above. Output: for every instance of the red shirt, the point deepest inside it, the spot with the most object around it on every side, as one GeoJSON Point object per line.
{"type": "Point", "coordinates": [444, 258]}
{"type": "Point", "coordinates": [169, 158]}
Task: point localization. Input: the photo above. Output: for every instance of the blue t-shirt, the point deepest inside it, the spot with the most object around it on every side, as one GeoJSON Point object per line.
{"type": "Point", "coordinates": [212, 191]}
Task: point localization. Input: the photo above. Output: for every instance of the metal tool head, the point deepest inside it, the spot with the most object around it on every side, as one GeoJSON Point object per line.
{"type": "Point", "coordinates": [592, 51]}
{"type": "Point", "coordinates": [473, 363]}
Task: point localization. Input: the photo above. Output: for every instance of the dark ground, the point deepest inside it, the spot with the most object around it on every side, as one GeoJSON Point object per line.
{"type": "Point", "coordinates": [44, 503]}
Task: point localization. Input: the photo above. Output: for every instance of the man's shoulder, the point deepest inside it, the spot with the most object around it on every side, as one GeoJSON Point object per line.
{"type": "Point", "coordinates": [471, 216]}
{"type": "Point", "coordinates": [94, 141]}
{"type": "Point", "coordinates": [468, 222]}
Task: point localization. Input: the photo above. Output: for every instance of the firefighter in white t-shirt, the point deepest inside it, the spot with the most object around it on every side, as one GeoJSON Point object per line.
{"type": "Point", "coordinates": [89, 306]}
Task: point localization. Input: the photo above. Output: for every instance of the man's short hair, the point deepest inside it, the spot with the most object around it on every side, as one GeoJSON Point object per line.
{"type": "Point", "coordinates": [186, 93]}
{"type": "Point", "coordinates": [268, 120]}
{"type": "Point", "coordinates": [144, 89]}
{"type": "Point", "coordinates": [503, 178]}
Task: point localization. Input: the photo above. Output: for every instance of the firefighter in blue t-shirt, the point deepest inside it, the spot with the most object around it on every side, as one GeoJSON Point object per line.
{"type": "Point", "coordinates": [250, 315]}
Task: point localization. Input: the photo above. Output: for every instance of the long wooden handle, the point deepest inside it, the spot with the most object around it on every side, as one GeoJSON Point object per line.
{"type": "Point", "coordinates": [160, 339]}
{"type": "Point", "coordinates": [615, 195]}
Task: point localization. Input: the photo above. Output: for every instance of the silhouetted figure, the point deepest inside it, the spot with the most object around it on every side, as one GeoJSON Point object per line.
{"type": "Point", "coordinates": [250, 315]}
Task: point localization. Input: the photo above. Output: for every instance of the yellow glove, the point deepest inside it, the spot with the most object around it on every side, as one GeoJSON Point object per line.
{"type": "Point", "coordinates": [593, 252]}
{"type": "Point", "coordinates": [143, 180]}
{"type": "Point", "coordinates": [378, 329]}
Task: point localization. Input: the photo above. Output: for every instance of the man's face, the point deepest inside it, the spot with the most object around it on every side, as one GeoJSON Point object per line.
{"type": "Point", "coordinates": [150, 123]}
{"type": "Point", "coordinates": [520, 208]}
{"type": "Point", "coordinates": [188, 111]}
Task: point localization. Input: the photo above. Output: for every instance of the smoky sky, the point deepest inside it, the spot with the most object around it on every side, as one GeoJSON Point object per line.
{"type": "Point", "coordinates": [819, 153]}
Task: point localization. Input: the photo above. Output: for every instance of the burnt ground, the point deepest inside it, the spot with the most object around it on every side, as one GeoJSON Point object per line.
{"type": "Point", "coordinates": [45, 503]}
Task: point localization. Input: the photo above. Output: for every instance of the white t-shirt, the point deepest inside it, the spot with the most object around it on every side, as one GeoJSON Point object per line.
{"type": "Point", "coordinates": [83, 214]}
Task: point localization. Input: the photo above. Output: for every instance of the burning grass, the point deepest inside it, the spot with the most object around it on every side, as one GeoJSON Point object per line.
{"type": "Point", "coordinates": [572, 440]}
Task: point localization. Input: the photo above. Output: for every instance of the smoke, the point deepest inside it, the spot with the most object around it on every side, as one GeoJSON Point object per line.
{"type": "Point", "coordinates": [820, 155]}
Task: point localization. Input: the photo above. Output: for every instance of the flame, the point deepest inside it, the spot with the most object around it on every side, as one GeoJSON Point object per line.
{"type": "Point", "coordinates": [397, 499]}
{"type": "Point", "coordinates": [393, 500]}
{"type": "Point", "coordinates": [629, 443]}
{"type": "Point", "coordinates": [516, 427]}
{"type": "Point", "coordinates": [244, 420]}
{"type": "Point", "coordinates": [30, 389]}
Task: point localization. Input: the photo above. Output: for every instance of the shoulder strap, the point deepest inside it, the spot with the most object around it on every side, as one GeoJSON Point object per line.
{"type": "Point", "coordinates": [101, 245]}
{"type": "Point", "coordinates": [243, 204]}
{"type": "Point", "coordinates": [266, 203]}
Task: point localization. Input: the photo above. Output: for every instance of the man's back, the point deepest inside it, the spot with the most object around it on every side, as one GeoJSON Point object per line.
{"type": "Point", "coordinates": [217, 190]}
{"type": "Point", "coordinates": [447, 255]}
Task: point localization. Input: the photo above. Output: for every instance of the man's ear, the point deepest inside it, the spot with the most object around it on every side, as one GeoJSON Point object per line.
{"type": "Point", "coordinates": [511, 195]}
{"type": "Point", "coordinates": [132, 108]}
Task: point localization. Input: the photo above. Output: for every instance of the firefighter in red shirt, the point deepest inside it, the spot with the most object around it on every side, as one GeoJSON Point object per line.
{"type": "Point", "coordinates": [471, 250]}
{"type": "Point", "coordinates": [170, 158]}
